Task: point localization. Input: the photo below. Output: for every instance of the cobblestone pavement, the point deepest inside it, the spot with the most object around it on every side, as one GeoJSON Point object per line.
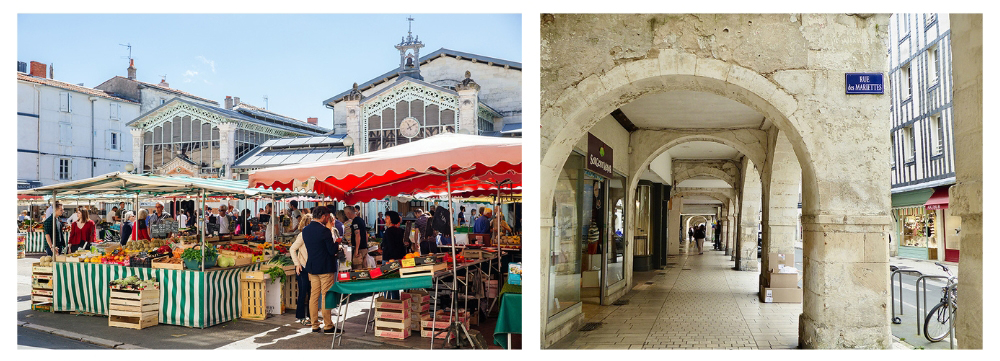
{"type": "Point", "coordinates": [701, 303]}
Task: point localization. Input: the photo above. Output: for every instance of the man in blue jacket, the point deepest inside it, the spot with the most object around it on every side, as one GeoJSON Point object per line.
{"type": "Point", "coordinates": [321, 265]}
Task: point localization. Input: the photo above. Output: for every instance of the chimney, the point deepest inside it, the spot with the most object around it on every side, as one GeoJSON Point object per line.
{"type": "Point", "coordinates": [37, 69]}
{"type": "Point", "coordinates": [131, 69]}
{"type": "Point", "coordinates": [236, 101]}
{"type": "Point", "coordinates": [229, 102]}
{"type": "Point", "coordinates": [163, 82]}
{"type": "Point", "coordinates": [313, 121]}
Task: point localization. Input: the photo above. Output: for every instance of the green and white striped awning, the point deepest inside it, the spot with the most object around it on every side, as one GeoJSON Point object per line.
{"type": "Point", "coordinates": [120, 184]}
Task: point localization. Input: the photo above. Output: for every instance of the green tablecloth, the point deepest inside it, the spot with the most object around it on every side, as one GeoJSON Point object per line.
{"type": "Point", "coordinates": [509, 288]}
{"type": "Point", "coordinates": [509, 320]}
{"type": "Point", "coordinates": [372, 286]}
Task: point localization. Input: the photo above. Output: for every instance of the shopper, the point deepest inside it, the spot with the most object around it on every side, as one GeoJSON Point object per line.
{"type": "Point", "coordinates": [158, 215]}
{"type": "Point", "coordinates": [295, 215]}
{"type": "Point", "coordinates": [112, 216]}
{"type": "Point", "coordinates": [121, 210]}
{"type": "Point", "coordinates": [141, 229]}
{"type": "Point", "coordinates": [52, 226]}
{"type": "Point", "coordinates": [358, 234]}
{"type": "Point", "coordinates": [339, 221]}
{"type": "Point", "coordinates": [82, 232]}
{"type": "Point", "coordinates": [127, 226]}
{"type": "Point", "coordinates": [380, 226]}
{"type": "Point", "coordinates": [690, 233]}
{"type": "Point", "coordinates": [321, 266]}
{"type": "Point", "coordinates": [392, 244]}
{"type": "Point", "coordinates": [461, 216]}
{"type": "Point", "coordinates": [182, 219]}
{"type": "Point", "coordinates": [483, 222]}
{"type": "Point", "coordinates": [300, 256]}
{"type": "Point", "coordinates": [223, 219]}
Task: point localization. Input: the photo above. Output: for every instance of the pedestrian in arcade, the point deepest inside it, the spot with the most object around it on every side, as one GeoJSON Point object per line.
{"type": "Point", "coordinates": [321, 265]}
{"type": "Point", "coordinates": [699, 238]}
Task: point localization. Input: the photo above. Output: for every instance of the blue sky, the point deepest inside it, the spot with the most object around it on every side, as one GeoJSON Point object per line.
{"type": "Point", "coordinates": [296, 60]}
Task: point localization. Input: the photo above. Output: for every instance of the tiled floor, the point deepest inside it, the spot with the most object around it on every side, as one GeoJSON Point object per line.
{"type": "Point", "coordinates": [701, 303]}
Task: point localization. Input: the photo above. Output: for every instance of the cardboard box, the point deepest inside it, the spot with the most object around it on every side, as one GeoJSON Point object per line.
{"type": "Point", "coordinates": [783, 280]}
{"type": "Point", "coordinates": [776, 260]}
{"type": "Point", "coordinates": [590, 279]}
{"type": "Point", "coordinates": [389, 314]}
{"type": "Point", "coordinates": [418, 296]}
{"type": "Point", "coordinates": [390, 266]}
{"type": "Point", "coordinates": [383, 303]}
{"type": "Point", "coordinates": [780, 295]}
{"type": "Point", "coordinates": [592, 262]}
{"type": "Point", "coordinates": [360, 275]}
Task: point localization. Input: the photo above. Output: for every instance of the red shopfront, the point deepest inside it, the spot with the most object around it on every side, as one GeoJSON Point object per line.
{"type": "Point", "coordinates": [951, 226]}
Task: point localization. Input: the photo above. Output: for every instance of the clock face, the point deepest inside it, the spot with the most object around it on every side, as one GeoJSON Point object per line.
{"type": "Point", "coordinates": [409, 127]}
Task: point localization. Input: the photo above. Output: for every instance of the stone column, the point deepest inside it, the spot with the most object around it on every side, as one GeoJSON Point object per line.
{"type": "Point", "coordinates": [227, 146]}
{"type": "Point", "coordinates": [750, 198]}
{"type": "Point", "coordinates": [137, 150]}
{"type": "Point", "coordinates": [676, 230]}
{"type": "Point", "coordinates": [468, 104]}
{"type": "Point", "coordinates": [967, 194]}
{"type": "Point", "coordinates": [352, 103]}
{"type": "Point", "coordinates": [780, 181]}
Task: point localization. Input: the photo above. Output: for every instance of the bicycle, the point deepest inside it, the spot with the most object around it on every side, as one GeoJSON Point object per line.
{"type": "Point", "coordinates": [937, 324]}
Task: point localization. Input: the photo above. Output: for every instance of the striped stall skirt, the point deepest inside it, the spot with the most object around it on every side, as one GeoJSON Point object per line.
{"type": "Point", "coordinates": [187, 298]}
{"type": "Point", "coordinates": [35, 241]}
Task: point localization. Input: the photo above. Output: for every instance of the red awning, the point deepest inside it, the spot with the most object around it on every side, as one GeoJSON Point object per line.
{"type": "Point", "coordinates": [938, 200]}
{"type": "Point", "coordinates": [22, 197]}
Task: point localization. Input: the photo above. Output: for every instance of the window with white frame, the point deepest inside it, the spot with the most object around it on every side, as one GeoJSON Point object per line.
{"type": "Point", "coordinates": [65, 168]}
{"type": "Point", "coordinates": [65, 133]}
{"type": "Point", "coordinates": [933, 65]}
{"type": "Point", "coordinates": [892, 151]}
{"type": "Point", "coordinates": [116, 110]}
{"type": "Point", "coordinates": [909, 151]}
{"type": "Point", "coordinates": [907, 91]}
{"type": "Point", "coordinates": [937, 134]}
{"type": "Point", "coordinates": [114, 141]}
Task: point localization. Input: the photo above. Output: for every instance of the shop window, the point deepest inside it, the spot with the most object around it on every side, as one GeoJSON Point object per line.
{"type": "Point", "coordinates": [616, 246]}
{"type": "Point", "coordinates": [566, 244]}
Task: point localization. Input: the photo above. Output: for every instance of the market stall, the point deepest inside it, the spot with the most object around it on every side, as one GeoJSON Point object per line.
{"type": "Point", "coordinates": [198, 287]}
{"type": "Point", "coordinates": [450, 162]}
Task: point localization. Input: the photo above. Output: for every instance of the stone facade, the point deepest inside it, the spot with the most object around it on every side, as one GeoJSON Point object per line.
{"type": "Point", "coordinates": [788, 68]}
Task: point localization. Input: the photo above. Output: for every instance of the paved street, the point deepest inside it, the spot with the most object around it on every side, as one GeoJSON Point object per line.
{"type": "Point", "coordinates": [699, 304]}
{"type": "Point", "coordinates": [29, 339]}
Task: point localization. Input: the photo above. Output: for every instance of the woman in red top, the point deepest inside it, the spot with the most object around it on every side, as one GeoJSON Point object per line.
{"type": "Point", "coordinates": [83, 231]}
{"type": "Point", "coordinates": [140, 230]}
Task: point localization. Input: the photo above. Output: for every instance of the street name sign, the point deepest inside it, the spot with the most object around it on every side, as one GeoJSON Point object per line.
{"type": "Point", "coordinates": [864, 83]}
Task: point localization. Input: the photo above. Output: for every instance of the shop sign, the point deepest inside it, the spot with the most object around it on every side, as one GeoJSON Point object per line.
{"type": "Point", "coordinates": [600, 157]}
{"type": "Point", "coordinates": [864, 83]}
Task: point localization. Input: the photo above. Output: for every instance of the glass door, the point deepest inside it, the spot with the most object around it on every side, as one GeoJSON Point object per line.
{"type": "Point", "coordinates": [615, 255]}
{"type": "Point", "coordinates": [594, 235]}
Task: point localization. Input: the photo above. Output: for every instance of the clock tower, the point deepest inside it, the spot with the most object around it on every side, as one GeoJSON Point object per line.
{"type": "Point", "coordinates": [409, 54]}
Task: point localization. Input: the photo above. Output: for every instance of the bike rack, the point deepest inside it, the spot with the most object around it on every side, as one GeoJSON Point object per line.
{"type": "Point", "coordinates": [892, 289]}
{"type": "Point", "coordinates": [924, 279]}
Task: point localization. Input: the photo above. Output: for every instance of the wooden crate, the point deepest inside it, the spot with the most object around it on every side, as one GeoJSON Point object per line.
{"type": "Point", "coordinates": [419, 271]}
{"type": "Point", "coordinates": [253, 294]}
{"type": "Point", "coordinates": [42, 282]}
{"type": "Point", "coordinates": [418, 296]}
{"type": "Point", "coordinates": [399, 334]}
{"type": "Point", "coordinates": [383, 303]}
{"type": "Point", "coordinates": [134, 309]}
{"type": "Point", "coordinates": [290, 290]}
{"type": "Point", "coordinates": [159, 263]}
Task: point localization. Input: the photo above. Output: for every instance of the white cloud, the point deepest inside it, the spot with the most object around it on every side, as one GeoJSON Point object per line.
{"type": "Point", "coordinates": [206, 81]}
{"type": "Point", "coordinates": [190, 73]}
{"type": "Point", "coordinates": [187, 80]}
{"type": "Point", "coordinates": [210, 63]}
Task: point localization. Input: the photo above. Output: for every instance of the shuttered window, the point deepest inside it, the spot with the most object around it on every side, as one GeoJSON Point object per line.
{"type": "Point", "coordinates": [65, 102]}
{"type": "Point", "coordinates": [116, 111]}
{"type": "Point", "coordinates": [65, 134]}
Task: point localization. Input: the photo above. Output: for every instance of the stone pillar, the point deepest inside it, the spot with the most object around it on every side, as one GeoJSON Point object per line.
{"type": "Point", "coordinates": [352, 105]}
{"type": "Point", "coordinates": [676, 230]}
{"type": "Point", "coordinates": [137, 150]}
{"type": "Point", "coordinates": [750, 198]}
{"type": "Point", "coordinates": [967, 194]}
{"type": "Point", "coordinates": [468, 104]}
{"type": "Point", "coordinates": [780, 181]}
{"type": "Point", "coordinates": [227, 146]}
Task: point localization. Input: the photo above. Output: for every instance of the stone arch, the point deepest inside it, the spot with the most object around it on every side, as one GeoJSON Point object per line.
{"type": "Point", "coordinates": [580, 107]}
{"type": "Point", "coordinates": [649, 144]}
{"type": "Point", "coordinates": [724, 170]}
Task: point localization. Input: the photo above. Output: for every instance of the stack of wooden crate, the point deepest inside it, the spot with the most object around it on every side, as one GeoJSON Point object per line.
{"type": "Point", "coordinates": [253, 292]}
{"type": "Point", "coordinates": [41, 288]}
{"type": "Point", "coordinates": [392, 318]}
{"type": "Point", "coordinates": [420, 306]}
{"type": "Point", "coordinates": [134, 309]}
{"type": "Point", "coordinates": [429, 324]}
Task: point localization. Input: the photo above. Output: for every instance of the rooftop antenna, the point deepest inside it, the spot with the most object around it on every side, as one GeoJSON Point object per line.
{"type": "Point", "coordinates": [129, 46]}
{"type": "Point", "coordinates": [265, 101]}
{"type": "Point", "coordinates": [163, 78]}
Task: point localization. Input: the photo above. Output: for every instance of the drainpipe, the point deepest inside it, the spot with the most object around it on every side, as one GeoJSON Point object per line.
{"type": "Point", "coordinates": [38, 134]}
{"type": "Point", "coordinates": [93, 132]}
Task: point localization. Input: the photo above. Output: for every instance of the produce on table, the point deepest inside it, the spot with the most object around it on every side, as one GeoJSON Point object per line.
{"type": "Point", "coordinates": [276, 272]}
{"type": "Point", "coordinates": [242, 248]}
{"type": "Point", "coordinates": [412, 255]}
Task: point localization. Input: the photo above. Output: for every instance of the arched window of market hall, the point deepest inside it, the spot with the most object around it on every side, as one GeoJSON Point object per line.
{"type": "Point", "coordinates": [408, 113]}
